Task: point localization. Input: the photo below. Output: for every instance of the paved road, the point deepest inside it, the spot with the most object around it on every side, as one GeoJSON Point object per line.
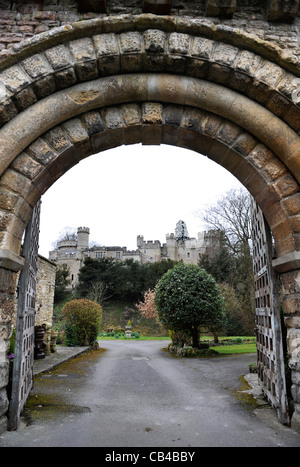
{"type": "Point", "coordinates": [135, 395]}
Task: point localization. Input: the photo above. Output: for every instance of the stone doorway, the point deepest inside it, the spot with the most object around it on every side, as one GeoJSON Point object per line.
{"type": "Point", "coordinates": [117, 81]}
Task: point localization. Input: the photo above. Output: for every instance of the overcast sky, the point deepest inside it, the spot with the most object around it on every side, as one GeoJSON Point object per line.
{"type": "Point", "coordinates": [130, 191]}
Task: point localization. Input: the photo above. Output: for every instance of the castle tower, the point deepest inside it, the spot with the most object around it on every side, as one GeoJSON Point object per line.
{"type": "Point", "coordinates": [83, 234]}
{"type": "Point", "coordinates": [181, 232]}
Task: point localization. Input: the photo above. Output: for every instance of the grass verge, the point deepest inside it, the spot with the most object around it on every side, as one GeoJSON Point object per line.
{"type": "Point", "coordinates": [235, 349]}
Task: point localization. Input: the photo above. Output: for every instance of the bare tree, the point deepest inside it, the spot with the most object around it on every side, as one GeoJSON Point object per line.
{"type": "Point", "coordinates": [67, 234]}
{"type": "Point", "coordinates": [231, 215]}
{"type": "Point", "coordinates": [98, 292]}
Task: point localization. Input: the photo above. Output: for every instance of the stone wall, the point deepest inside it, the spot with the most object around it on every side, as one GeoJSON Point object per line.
{"type": "Point", "coordinates": [20, 20]}
{"type": "Point", "coordinates": [45, 291]}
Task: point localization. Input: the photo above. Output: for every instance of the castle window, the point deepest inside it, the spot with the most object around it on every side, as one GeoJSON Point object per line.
{"type": "Point", "coordinates": [100, 254]}
{"type": "Point", "coordinates": [188, 255]}
{"type": "Point", "coordinates": [118, 254]}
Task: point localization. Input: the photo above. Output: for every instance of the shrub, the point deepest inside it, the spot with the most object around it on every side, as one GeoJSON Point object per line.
{"type": "Point", "coordinates": [82, 321]}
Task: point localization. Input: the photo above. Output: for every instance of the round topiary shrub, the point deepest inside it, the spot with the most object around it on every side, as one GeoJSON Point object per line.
{"type": "Point", "coordinates": [82, 321]}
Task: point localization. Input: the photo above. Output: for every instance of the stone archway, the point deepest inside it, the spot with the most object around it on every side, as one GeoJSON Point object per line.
{"type": "Point", "coordinates": [114, 81]}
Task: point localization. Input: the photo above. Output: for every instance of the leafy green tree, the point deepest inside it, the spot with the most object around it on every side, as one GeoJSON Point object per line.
{"type": "Point", "coordinates": [62, 280]}
{"type": "Point", "coordinates": [187, 297]}
{"type": "Point", "coordinates": [156, 270]}
{"type": "Point", "coordinates": [122, 280]}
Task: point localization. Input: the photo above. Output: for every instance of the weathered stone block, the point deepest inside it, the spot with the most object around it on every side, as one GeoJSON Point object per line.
{"type": "Point", "coordinates": [65, 78]}
{"type": "Point", "coordinates": [247, 62]}
{"type": "Point", "coordinates": [85, 58]}
{"type": "Point", "coordinates": [286, 186]}
{"type": "Point", "coordinates": [244, 144]}
{"type": "Point", "coordinates": [25, 98]}
{"type": "Point", "coordinates": [211, 125]}
{"type": "Point", "coordinates": [292, 322]}
{"type": "Point", "coordinates": [36, 66]}
{"type": "Point", "coordinates": [292, 204]}
{"type": "Point", "coordinates": [202, 47]}
{"type": "Point", "coordinates": [44, 87]}
{"type": "Point", "coordinates": [240, 81]}
{"type": "Point", "coordinates": [155, 41]}
{"type": "Point", "coordinates": [7, 309]}
{"type": "Point", "coordinates": [295, 223]}
{"type": "Point", "coordinates": [3, 394]}
{"type": "Point", "coordinates": [77, 134]}
{"type": "Point", "coordinates": [27, 165]}
{"type": "Point", "coordinates": [274, 169]}
{"type": "Point", "coordinates": [131, 114]}
{"type": "Point", "coordinates": [152, 112]}
{"type": "Point", "coordinates": [228, 133]}
{"type": "Point", "coordinates": [14, 79]}
{"type": "Point", "coordinates": [179, 43]}
{"type": "Point", "coordinates": [8, 199]}
{"type": "Point", "coordinates": [225, 54]}
{"type": "Point", "coordinates": [282, 11]}
{"type": "Point", "coordinates": [295, 391]}
{"type": "Point", "coordinates": [41, 151]}
{"type": "Point", "coordinates": [16, 181]}
{"type": "Point", "coordinates": [7, 281]}
{"type": "Point", "coordinates": [8, 111]}
{"type": "Point", "coordinates": [220, 8]}
{"type": "Point", "coordinates": [112, 118]}
{"type": "Point", "coordinates": [131, 42]}
{"type": "Point", "coordinates": [107, 50]}
{"type": "Point", "coordinates": [278, 104]}
{"type": "Point", "coordinates": [3, 424]}
{"type": "Point", "coordinates": [191, 119]}
{"type": "Point", "coordinates": [57, 139]}
{"type": "Point", "coordinates": [93, 123]}
{"type": "Point", "coordinates": [59, 57]}
{"type": "Point", "coordinates": [291, 306]}
{"type": "Point", "coordinates": [260, 156]}
{"type": "Point", "coordinates": [106, 44]}
{"type": "Point", "coordinates": [292, 117]}
{"type": "Point", "coordinates": [172, 115]}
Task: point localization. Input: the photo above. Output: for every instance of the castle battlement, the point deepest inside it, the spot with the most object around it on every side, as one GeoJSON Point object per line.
{"type": "Point", "coordinates": [177, 248]}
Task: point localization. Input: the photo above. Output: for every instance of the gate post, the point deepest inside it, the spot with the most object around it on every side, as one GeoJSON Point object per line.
{"type": "Point", "coordinates": [290, 281]}
{"type": "Point", "coordinates": [9, 265]}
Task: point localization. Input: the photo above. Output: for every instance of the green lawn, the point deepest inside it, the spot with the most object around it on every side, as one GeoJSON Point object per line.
{"type": "Point", "coordinates": [235, 348]}
{"type": "Point", "coordinates": [243, 344]}
{"type": "Point", "coordinates": [141, 338]}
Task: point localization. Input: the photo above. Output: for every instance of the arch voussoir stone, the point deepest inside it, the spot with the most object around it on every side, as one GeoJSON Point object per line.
{"type": "Point", "coordinates": [58, 149]}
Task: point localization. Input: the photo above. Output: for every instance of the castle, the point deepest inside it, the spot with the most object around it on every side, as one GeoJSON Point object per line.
{"type": "Point", "coordinates": [178, 246]}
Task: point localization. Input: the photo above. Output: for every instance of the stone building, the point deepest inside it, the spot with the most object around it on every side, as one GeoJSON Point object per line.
{"type": "Point", "coordinates": [45, 291]}
{"type": "Point", "coordinates": [72, 253]}
{"type": "Point", "coordinates": [178, 246]}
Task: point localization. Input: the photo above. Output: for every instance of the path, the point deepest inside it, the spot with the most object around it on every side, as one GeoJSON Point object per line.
{"type": "Point", "coordinates": [134, 394]}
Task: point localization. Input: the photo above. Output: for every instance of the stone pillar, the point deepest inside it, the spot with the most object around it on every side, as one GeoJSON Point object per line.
{"type": "Point", "coordinates": [9, 265]}
{"type": "Point", "coordinates": [290, 281]}
{"type": "Point", "coordinates": [7, 308]}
